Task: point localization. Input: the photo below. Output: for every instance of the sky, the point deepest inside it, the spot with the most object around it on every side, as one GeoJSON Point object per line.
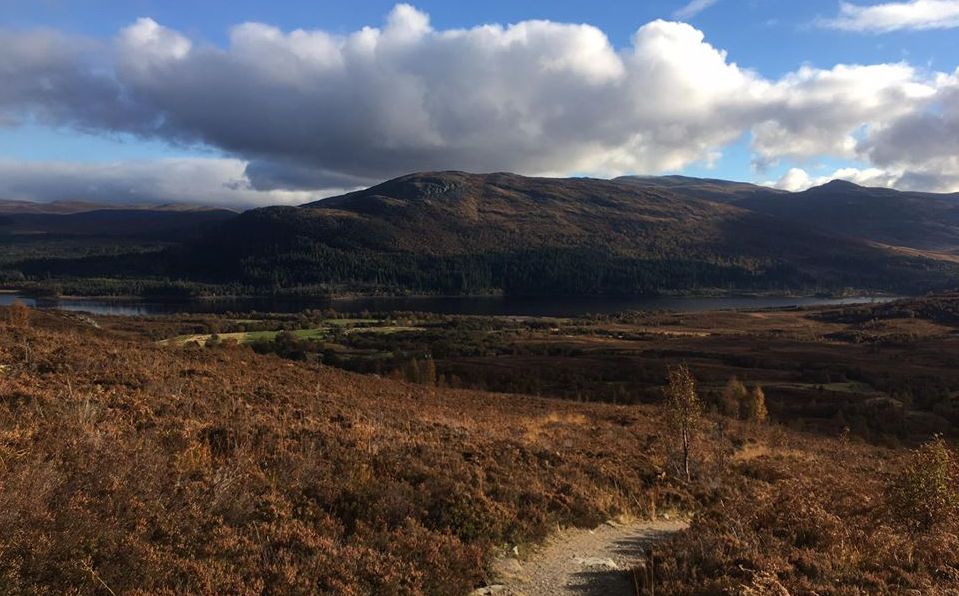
{"type": "Point", "coordinates": [246, 102]}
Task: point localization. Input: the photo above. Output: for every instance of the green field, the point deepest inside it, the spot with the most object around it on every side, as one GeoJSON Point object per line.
{"type": "Point", "coordinates": [331, 326]}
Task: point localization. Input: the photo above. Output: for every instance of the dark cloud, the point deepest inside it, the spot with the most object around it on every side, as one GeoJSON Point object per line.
{"type": "Point", "coordinates": [56, 80]}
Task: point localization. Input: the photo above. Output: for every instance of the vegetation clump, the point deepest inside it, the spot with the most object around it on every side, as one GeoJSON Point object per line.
{"type": "Point", "coordinates": [925, 494]}
{"type": "Point", "coordinates": [732, 398]}
{"type": "Point", "coordinates": [755, 405]}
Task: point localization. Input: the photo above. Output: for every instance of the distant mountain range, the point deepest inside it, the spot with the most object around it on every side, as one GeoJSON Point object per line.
{"type": "Point", "coordinates": [461, 233]}
{"type": "Point", "coordinates": [455, 232]}
{"type": "Point", "coordinates": [71, 219]}
{"type": "Point", "coordinates": [70, 207]}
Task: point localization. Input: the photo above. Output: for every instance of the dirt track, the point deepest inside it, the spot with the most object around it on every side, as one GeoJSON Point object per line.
{"type": "Point", "coordinates": [582, 562]}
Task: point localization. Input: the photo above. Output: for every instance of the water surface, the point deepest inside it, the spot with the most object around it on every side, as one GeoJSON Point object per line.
{"type": "Point", "coordinates": [463, 305]}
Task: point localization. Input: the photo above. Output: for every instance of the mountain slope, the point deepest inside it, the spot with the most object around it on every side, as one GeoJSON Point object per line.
{"type": "Point", "coordinates": [455, 232]}
{"type": "Point", "coordinates": [70, 207]}
{"type": "Point", "coordinates": [143, 223]}
{"type": "Point", "coordinates": [922, 221]}
{"type": "Point", "coordinates": [710, 189]}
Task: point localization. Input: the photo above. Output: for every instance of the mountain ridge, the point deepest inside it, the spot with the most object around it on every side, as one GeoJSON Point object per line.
{"type": "Point", "coordinates": [69, 207]}
{"type": "Point", "coordinates": [456, 232]}
{"type": "Point", "coordinates": [459, 233]}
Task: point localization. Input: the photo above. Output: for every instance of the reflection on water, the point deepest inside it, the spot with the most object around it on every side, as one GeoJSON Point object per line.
{"type": "Point", "coordinates": [465, 305]}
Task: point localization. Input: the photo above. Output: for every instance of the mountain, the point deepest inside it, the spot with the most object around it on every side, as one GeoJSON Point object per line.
{"type": "Point", "coordinates": [910, 220]}
{"type": "Point", "coordinates": [70, 207]}
{"type": "Point", "coordinates": [904, 221]}
{"type": "Point", "coordinates": [7, 207]}
{"type": "Point", "coordinates": [142, 223]}
{"type": "Point", "coordinates": [454, 232]}
{"type": "Point", "coordinates": [711, 189]}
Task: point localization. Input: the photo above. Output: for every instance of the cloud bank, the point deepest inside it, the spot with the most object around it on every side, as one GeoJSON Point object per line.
{"type": "Point", "coordinates": [202, 181]}
{"type": "Point", "coordinates": [312, 111]}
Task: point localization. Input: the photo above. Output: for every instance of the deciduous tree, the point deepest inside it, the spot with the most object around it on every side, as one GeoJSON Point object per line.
{"type": "Point", "coordinates": [683, 410]}
{"type": "Point", "coordinates": [732, 398]}
{"type": "Point", "coordinates": [755, 409]}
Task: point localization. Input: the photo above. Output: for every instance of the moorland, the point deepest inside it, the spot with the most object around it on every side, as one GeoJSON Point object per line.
{"type": "Point", "coordinates": [886, 371]}
{"type": "Point", "coordinates": [244, 453]}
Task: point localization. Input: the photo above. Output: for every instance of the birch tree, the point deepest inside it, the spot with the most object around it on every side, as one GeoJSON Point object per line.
{"type": "Point", "coordinates": [683, 409]}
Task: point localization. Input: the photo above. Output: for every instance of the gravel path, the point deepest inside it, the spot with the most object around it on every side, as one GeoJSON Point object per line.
{"type": "Point", "coordinates": [582, 562]}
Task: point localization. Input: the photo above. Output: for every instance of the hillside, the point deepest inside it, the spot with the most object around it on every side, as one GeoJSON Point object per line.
{"type": "Point", "coordinates": [453, 232]}
{"type": "Point", "coordinates": [44, 246]}
{"type": "Point", "coordinates": [711, 189]}
{"type": "Point", "coordinates": [922, 221]}
{"type": "Point", "coordinates": [460, 233]}
{"type": "Point", "coordinates": [8, 206]}
{"type": "Point", "coordinates": [69, 207]}
{"type": "Point", "coordinates": [145, 223]}
{"type": "Point", "coordinates": [925, 222]}
{"type": "Point", "coordinates": [133, 467]}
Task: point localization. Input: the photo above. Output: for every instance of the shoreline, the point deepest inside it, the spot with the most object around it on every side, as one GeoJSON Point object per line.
{"type": "Point", "coordinates": [485, 305]}
{"type": "Point", "coordinates": [347, 297]}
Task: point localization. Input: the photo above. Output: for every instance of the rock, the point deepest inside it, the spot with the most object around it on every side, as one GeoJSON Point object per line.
{"type": "Point", "coordinates": [598, 562]}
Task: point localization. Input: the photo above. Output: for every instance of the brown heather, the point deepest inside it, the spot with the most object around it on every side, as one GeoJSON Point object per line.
{"type": "Point", "coordinates": [169, 470]}
{"type": "Point", "coordinates": [813, 521]}
{"type": "Point", "coordinates": [131, 468]}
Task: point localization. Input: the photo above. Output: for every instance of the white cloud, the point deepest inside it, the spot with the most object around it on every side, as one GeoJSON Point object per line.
{"type": "Point", "coordinates": [797, 179]}
{"type": "Point", "coordinates": [532, 97]}
{"type": "Point", "coordinates": [314, 110]}
{"type": "Point", "coordinates": [693, 8]}
{"type": "Point", "coordinates": [814, 112]}
{"type": "Point", "coordinates": [205, 181]}
{"type": "Point", "coordinates": [922, 144]}
{"type": "Point", "coordinates": [894, 16]}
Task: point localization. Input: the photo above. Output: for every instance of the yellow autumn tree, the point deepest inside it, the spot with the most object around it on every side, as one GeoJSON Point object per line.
{"type": "Point", "coordinates": [755, 410]}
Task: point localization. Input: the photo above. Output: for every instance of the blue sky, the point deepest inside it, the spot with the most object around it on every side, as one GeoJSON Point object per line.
{"type": "Point", "coordinates": [769, 40]}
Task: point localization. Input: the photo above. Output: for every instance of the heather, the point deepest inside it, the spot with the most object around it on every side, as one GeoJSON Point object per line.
{"type": "Point", "coordinates": [134, 467]}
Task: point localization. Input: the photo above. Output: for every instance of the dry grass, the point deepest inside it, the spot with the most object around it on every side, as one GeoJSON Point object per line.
{"type": "Point", "coordinates": [128, 467]}
{"type": "Point", "coordinates": [137, 468]}
{"type": "Point", "coordinates": [816, 523]}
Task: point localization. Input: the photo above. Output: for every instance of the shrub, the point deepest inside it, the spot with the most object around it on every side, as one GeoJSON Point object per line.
{"type": "Point", "coordinates": [734, 394]}
{"type": "Point", "coordinates": [754, 407]}
{"type": "Point", "coordinates": [18, 315]}
{"type": "Point", "coordinates": [925, 494]}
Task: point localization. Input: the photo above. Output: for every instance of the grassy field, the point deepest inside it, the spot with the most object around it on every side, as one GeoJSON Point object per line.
{"type": "Point", "coordinates": [321, 333]}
